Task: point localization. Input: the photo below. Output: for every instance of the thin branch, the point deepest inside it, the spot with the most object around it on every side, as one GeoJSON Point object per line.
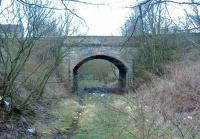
{"type": "Point", "coordinates": [42, 6]}
{"type": "Point", "coordinates": [72, 12]}
{"type": "Point", "coordinates": [154, 2]}
{"type": "Point", "coordinates": [87, 3]}
{"type": "Point", "coordinates": [181, 3]}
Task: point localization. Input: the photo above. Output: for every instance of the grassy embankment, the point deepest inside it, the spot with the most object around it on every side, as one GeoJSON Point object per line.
{"type": "Point", "coordinates": [155, 110]}
{"type": "Point", "coordinates": [166, 107]}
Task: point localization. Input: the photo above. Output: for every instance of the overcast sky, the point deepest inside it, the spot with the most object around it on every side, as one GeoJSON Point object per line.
{"type": "Point", "coordinates": [101, 19]}
{"type": "Point", "coordinates": [107, 19]}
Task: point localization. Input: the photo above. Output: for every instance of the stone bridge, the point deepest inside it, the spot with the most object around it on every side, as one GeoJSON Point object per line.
{"type": "Point", "coordinates": [115, 49]}
{"type": "Point", "coordinates": [89, 48]}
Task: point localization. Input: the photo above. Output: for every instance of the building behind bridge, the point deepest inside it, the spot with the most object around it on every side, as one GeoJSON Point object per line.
{"type": "Point", "coordinates": [11, 30]}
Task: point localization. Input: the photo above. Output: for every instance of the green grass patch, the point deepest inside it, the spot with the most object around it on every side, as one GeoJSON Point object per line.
{"type": "Point", "coordinates": [62, 113]}
{"type": "Point", "coordinates": [90, 83]}
{"type": "Point", "coordinates": [109, 116]}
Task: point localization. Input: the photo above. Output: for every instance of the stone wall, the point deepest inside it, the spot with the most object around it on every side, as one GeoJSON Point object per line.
{"type": "Point", "coordinates": [117, 48]}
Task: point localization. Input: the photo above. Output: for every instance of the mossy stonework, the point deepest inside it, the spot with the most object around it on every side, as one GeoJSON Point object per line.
{"type": "Point", "coordinates": [99, 48]}
{"type": "Point", "coordinates": [126, 53]}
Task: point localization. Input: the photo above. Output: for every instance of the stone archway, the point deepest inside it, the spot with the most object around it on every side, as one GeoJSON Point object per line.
{"type": "Point", "coordinates": [121, 65]}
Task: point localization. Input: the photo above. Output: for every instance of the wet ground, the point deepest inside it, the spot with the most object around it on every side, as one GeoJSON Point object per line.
{"type": "Point", "coordinates": [101, 90]}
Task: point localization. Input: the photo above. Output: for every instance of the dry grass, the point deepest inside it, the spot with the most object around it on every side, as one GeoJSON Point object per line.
{"type": "Point", "coordinates": [179, 90]}
{"type": "Point", "coordinates": [176, 97]}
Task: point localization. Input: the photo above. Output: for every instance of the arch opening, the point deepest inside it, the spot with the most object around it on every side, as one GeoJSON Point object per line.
{"type": "Point", "coordinates": [121, 66]}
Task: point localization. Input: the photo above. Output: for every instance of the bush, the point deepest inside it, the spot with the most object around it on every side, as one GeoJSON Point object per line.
{"type": "Point", "coordinates": [152, 57]}
{"type": "Point", "coordinates": [176, 97]}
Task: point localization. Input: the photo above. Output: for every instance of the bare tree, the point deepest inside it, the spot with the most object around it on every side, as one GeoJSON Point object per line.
{"type": "Point", "coordinates": [17, 50]}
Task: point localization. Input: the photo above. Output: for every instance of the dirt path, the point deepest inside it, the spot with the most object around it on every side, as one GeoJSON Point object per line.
{"type": "Point", "coordinates": [73, 126]}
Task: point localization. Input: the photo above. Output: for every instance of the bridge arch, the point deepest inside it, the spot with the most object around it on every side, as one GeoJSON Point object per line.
{"type": "Point", "coordinates": [118, 62]}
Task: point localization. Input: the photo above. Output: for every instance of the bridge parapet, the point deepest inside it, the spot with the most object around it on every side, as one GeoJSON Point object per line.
{"type": "Point", "coordinates": [112, 48]}
{"type": "Point", "coordinates": [80, 54]}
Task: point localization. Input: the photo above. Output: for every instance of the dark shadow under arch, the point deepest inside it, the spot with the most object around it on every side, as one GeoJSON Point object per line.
{"type": "Point", "coordinates": [122, 67]}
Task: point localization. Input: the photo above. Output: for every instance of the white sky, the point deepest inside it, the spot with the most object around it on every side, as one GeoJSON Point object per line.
{"type": "Point", "coordinates": [100, 19]}
{"type": "Point", "coordinates": [107, 19]}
